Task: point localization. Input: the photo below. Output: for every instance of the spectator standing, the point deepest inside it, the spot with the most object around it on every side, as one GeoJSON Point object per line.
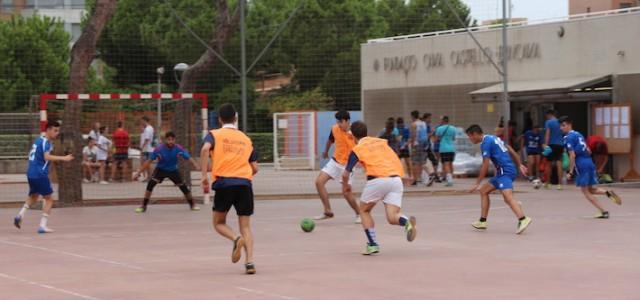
{"type": "Point", "coordinates": [146, 145]}
{"type": "Point", "coordinates": [431, 156]}
{"type": "Point", "coordinates": [121, 142]}
{"type": "Point", "coordinates": [554, 141]}
{"type": "Point", "coordinates": [403, 145]}
{"type": "Point", "coordinates": [419, 138]}
{"type": "Point", "coordinates": [390, 133]}
{"type": "Point", "coordinates": [446, 134]}
{"type": "Point", "coordinates": [104, 145]}
{"type": "Point", "coordinates": [95, 131]}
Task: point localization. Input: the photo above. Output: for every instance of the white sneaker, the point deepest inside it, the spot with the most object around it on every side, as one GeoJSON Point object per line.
{"type": "Point", "coordinates": [358, 220]}
{"type": "Point", "coordinates": [104, 182]}
{"type": "Point", "coordinates": [86, 180]}
{"type": "Point", "coordinates": [45, 229]}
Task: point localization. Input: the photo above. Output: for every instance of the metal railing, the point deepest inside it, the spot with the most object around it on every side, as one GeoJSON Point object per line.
{"type": "Point", "coordinates": [518, 24]}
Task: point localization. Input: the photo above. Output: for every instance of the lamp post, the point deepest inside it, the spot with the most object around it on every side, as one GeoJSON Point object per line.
{"type": "Point", "coordinates": [160, 72]}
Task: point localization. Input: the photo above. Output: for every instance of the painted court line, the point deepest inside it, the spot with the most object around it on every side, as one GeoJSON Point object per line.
{"type": "Point", "coordinates": [112, 262]}
{"type": "Point", "coordinates": [262, 293]}
{"type": "Point", "coordinates": [46, 286]}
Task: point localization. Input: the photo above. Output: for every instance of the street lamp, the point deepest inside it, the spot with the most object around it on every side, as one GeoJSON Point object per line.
{"type": "Point", "coordinates": [160, 72]}
{"type": "Point", "coordinates": [179, 69]}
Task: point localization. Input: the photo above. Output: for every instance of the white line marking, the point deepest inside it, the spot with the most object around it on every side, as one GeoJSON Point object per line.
{"type": "Point", "coordinates": [264, 293]}
{"type": "Point", "coordinates": [112, 262]}
{"type": "Point", "coordinates": [46, 286]}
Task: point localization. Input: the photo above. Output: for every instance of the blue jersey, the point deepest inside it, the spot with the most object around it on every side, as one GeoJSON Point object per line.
{"type": "Point", "coordinates": [493, 147]}
{"type": "Point", "coordinates": [532, 142]}
{"type": "Point", "coordinates": [38, 166]}
{"type": "Point", "coordinates": [405, 133]}
{"type": "Point", "coordinates": [555, 134]}
{"type": "Point", "coordinates": [574, 142]}
{"type": "Point", "coordinates": [168, 156]}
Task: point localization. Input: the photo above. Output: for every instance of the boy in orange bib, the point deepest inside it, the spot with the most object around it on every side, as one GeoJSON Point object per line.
{"type": "Point", "coordinates": [384, 182]}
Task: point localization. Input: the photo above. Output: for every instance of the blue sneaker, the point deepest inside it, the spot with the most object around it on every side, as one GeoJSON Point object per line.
{"type": "Point", "coordinates": [43, 230]}
{"type": "Point", "coordinates": [17, 221]}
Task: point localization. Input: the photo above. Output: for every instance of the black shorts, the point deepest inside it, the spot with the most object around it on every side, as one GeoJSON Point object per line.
{"type": "Point", "coordinates": [404, 153]}
{"type": "Point", "coordinates": [556, 152]}
{"type": "Point", "coordinates": [160, 175]}
{"type": "Point", "coordinates": [120, 157]}
{"type": "Point", "coordinates": [447, 156]}
{"type": "Point", "coordinates": [240, 197]}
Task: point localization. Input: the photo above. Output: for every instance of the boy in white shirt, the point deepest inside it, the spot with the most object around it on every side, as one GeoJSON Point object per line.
{"type": "Point", "coordinates": [104, 144]}
{"type": "Point", "coordinates": [146, 144]}
{"type": "Point", "coordinates": [89, 160]}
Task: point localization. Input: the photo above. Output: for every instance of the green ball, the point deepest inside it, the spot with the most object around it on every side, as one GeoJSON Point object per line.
{"type": "Point", "coordinates": [307, 225]}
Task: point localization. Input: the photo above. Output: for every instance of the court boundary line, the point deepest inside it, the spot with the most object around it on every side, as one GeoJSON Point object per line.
{"type": "Point", "coordinates": [46, 286]}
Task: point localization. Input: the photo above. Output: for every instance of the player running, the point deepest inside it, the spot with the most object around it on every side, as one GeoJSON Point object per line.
{"type": "Point", "coordinates": [344, 141]}
{"type": "Point", "coordinates": [166, 155]}
{"type": "Point", "coordinates": [582, 168]}
{"type": "Point", "coordinates": [503, 157]}
{"type": "Point", "coordinates": [234, 165]}
{"type": "Point", "coordinates": [38, 175]}
{"type": "Point", "coordinates": [384, 182]}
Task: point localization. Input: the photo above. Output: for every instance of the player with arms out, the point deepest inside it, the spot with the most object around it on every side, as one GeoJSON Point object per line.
{"type": "Point", "coordinates": [582, 168]}
{"type": "Point", "coordinates": [384, 182]}
{"type": "Point", "coordinates": [503, 157]}
{"type": "Point", "coordinates": [38, 175]}
{"type": "Point", "coordinates": [234, 163]}
{"type": "Point", "coordinates": [344, 142]}
{"type": "Point", "coordinates": [166, 155]}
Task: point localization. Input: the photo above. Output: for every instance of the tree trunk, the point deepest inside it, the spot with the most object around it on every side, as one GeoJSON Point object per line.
{"type": "Point", "coordinates": [82, 54]}
{"type": "Point", "coordinates": [183, 120]}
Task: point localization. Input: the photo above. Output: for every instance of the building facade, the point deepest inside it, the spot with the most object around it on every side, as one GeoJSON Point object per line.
{"type": "Point", "coordinates": [70, 12]}
{"type": "Point", "coordinates": [589, 6]}
{"type": "Point", "coordinates": [570, 65]}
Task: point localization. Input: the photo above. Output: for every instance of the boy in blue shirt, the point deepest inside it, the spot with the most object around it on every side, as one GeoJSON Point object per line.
{"type": "Point", "coordinates": [166, 155]}
{"type": "Point", "coordinates": [38, 175]}
{"type": "Point", "coordinates": [502, 156]}
{"type": "Point", "coordinates": [553, 149]}
{"type": "Point", "coordinates": [531, 142]}
{"type": "Point", "coordinates": [581, 168]}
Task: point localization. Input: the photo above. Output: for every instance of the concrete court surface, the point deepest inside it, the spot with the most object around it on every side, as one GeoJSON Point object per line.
{"type": "Point", "coordinates": [172, 253]}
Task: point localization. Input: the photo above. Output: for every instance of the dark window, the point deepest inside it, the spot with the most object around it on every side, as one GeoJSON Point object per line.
{"type": "Point", "coordinates": [625, 5]}
{"type": "Point", "coordinates": [6, 5]}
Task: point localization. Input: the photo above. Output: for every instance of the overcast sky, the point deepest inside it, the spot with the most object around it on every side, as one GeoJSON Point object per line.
{"type": "Point", "coordinates": [531, 9]}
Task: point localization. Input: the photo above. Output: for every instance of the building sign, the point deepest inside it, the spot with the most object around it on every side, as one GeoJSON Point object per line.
{"type": "Point", "coordinates": [465, 57]}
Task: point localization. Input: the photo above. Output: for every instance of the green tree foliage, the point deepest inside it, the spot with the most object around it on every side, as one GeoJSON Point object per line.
{"type": "Point", "coordinates": [34, 55]}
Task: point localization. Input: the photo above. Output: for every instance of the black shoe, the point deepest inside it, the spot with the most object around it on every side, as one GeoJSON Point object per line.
{"type": "Point", "coordinates": [250, 268]}
{"type": "Point", "coordinates": [603, 215]}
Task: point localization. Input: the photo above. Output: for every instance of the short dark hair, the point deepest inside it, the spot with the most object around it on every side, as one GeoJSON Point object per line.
{"type": "Point", "coordinates": [103, 129]}
{"type": "Point", "coordinates": [52, 124]}
{"type": "Point", "coordinates": [391, 119]}
{"type": "Point", "coordinates": [475, 128]}
{"type": "Point", "coordinates": [400, 120]}
{"type": "Point", "coordinates": [359, 129]}
{"type": "Point", "coordinates": [550, 112]}
{"type": "Point", "coordinates": [170, 134]}
{"type": "Point", "coordinates": [343, 115]}
{"type": "Point", "coordinates": [446, 119]}
{"type": "Point", "coordinates": [145, 118]}
{"type": "Point", "coordinates": [120, 124]}
{"type": "Point", "coordinates": [89, 139]}
{"type": "Point", "coordinates": [227, 113]}
{"type": "Point", "coordinates": [415, 114]}
{"type": "Point", "coordinates": [426, 115]}
{"type": "Point", "coordinates": [565, 119]}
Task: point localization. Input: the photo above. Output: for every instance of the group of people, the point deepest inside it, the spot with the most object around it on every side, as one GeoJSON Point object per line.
{"type": "Point", "coordinates": [229, 155]}
{"type": "Point", "coordinates": [102, 152]}
{"type": "Point", "coordinates": [422, 147]}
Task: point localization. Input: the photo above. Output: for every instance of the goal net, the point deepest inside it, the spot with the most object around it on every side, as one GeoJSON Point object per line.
{"type": "Point", "coordinates": [294, 141]}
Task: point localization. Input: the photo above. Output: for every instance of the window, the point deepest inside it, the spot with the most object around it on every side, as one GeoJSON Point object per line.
{"type": "Point", "coordinates": [45, 4]}
{"type": "Point", "coordinates": [7, 5]}
{"type": "Point", "coordinates": [625, 5]}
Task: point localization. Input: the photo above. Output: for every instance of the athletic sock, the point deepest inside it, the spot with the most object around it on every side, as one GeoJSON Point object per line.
{"type": "Point", "coordinates": [371, 236]}
{"type": "Point", "coordinates": [449, 178]}
{"type": "Point", "coordinates": [23, 210]}
{"type": "Point", "coordinates": [522, 218]}
{"type": "Point", "coordinates": [403, 220]}
{"type": "Point", "coordinates": [43, 221]}
{"type": "Point", "coordinates": [145, 202]}
{"type": "Point", "coordinates": [483, 219]}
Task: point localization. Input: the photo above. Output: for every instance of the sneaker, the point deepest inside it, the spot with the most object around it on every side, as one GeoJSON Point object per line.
{"type": "Point", "coordinates": [358, 220]}
{"type": "Point", "coordinates": [141, 210]}
{"type": "Point", "coordinates": [522, 225]}
{"type": "Point", "coordinates": [104, 182]}
{"type": "Point", "coordinates": [559, 187]}
{"type": "Point", "coordinates": [547, 186]}
{"type": "Point", "coordinates": [17, 221]}
{"type": "Point", "coordinates": [324, 216]}
{"type": "Point", "coordinates": [448, 184]}
{"type": "Point", "coordinates": [410, 229]}
{"type": "Point", "coordinates": [479, 225]}
{"type": "Point", "coordinates": [250, 268]}
{"type": "Point", "coordinates": [195, 208]}
{"type": "Point", "coordinates": [614, 197]}
{"type": "Point", "coordinates": [237, 249]}
{"type": "Point", "coordinates": [432, 178]}
{"type": "Point", "coordinates": [86, 180]}
{"type": "Point", "coordinates": [371, 249]}
{"type": "Point", "coordinates": [45, 229]}
{"type": "Point", "coordinates": [602, 215]}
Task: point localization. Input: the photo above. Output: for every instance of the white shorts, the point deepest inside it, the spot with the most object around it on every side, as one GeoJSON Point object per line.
{"type": "Point", "coordinates": [335, 170]}
{"type": "Point", "coordinates": [387, 189]}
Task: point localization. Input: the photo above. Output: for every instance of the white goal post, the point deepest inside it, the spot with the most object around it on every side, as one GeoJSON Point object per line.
{"type": "Point", "coordinates": [294, 140]}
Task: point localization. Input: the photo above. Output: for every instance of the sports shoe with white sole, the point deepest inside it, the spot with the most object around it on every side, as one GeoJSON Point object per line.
{"type": "Point", "coordinates": [522, 225]}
